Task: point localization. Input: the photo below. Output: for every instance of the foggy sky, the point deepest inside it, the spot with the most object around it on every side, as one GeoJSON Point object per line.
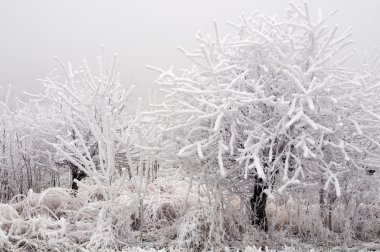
{"type": "Point", "coordinates": [141, 32]}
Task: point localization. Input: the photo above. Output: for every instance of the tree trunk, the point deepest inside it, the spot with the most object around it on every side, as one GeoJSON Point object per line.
{"type": "Point", "coordinates": [76, 174]}
{"type": "Point", "coordinates": [258, 203]}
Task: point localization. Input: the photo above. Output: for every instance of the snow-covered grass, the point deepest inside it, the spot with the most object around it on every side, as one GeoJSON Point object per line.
{"type": "Point", "coordinates": [254, 249]}
{"type": "Point", "coordinates": [57, 220]}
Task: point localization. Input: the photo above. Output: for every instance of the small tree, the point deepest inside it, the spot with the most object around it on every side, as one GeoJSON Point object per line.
{"type": "Point", "coordinates": [272, 106]}
{"type": "Point", "coordinates": [83, 117]}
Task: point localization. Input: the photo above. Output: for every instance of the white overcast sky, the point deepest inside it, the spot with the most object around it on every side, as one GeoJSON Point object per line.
{"type": "Point", "coordinates": [142, 32]}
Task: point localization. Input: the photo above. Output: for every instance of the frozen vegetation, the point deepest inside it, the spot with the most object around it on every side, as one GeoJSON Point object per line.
{"type": "Point", "coordinates": [269, 141]}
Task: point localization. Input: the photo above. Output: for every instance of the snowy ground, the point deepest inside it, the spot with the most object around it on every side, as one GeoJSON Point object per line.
{"type": "Point", "coordinates": [55, 220]}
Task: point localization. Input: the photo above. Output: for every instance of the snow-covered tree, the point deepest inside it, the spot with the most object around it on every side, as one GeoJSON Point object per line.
{"type": "Point", "coordinates": [83, 116]}
{"type": "Point", "coordinates": [272, 107]}
{"type": "Point", "coordinates": [7, 150]}
{"type": "Point", "coordinates": [21, 168]}
{"type": "Point", "coordinates": [82, 120]}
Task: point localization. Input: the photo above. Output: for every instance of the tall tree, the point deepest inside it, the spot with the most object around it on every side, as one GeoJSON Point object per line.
{"type": "Point", "coordinates": [272, 106]}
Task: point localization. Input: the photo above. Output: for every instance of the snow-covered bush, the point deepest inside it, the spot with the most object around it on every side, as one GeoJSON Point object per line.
{"type": "Point", "coordinates": [32, 231]}
{"type": "Point", "coordinates": [205, 228]}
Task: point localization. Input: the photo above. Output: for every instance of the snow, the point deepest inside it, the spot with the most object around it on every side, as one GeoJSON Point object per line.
{"type": "Point", "coordinates": [268, 114]}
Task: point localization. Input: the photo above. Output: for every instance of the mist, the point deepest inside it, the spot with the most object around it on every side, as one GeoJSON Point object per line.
{"type": "Point", "coordinates": [140, 32]}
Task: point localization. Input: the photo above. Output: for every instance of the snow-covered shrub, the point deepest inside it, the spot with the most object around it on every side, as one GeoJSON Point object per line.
{"type": "Point", "coordinates": [7, 216]}
{"type": "Point", "coordinates": [37, 233]}
{"type": "Point", "coordinates": [7, 212]}
{"type": "Point", "coordinates": [339, 221]}
{"type": "Point", "coordinates": [56, 218]}
{"type": "Point", "coordinates": [161, 213]}
{"type": "Point", "coordinates": [206, 228]}
{"type": "Point", "coordinates": [4, 242]}
{"type": "Point", "coordinates": [89, 192]}
{"type": "Point", "coordinates": [194, 230]}
{"type": "Point", "coordinates": [54, 201]}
